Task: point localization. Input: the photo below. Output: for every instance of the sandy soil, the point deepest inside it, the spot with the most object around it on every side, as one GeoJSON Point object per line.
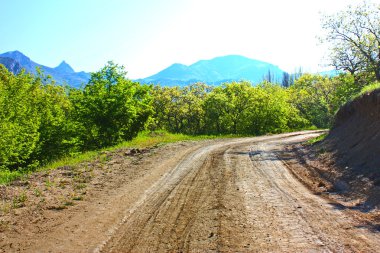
{"type": "Point", "coordinates": [233, 195]}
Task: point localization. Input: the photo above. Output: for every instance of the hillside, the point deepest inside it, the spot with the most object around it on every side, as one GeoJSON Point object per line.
{"type": "Point", "coordinates": [216, 71]}
{"type": "Point", "coordinates": [63, 74]}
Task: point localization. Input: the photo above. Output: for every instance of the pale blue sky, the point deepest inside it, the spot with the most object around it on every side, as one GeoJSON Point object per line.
{"type": "Point", "coordinates": [148, 35]}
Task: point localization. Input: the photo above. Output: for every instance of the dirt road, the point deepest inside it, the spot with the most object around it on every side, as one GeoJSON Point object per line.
{"type": "Point", "coordinates": [231, 195]}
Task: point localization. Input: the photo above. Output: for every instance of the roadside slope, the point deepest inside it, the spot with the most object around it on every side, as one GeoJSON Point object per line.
{"type": "Point", "coordinates": [353, 148]}
{"type": "Point", "coordinates": [345, 166]}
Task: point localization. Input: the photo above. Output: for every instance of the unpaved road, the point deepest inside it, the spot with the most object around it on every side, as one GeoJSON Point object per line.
{"type": "Point", "coordinates": [231, 195]}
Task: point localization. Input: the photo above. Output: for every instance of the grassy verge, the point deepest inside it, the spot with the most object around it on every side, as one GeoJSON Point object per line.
{"type": "Point", "coordinates": [7, 176]}
{"type": "Point", "coordinates": [367, 89]}
{"type": "Point", "coordinates": [143, 140]}
{"type": "Point", "coordinates": [149, 139]}
{"type": "Point", "coordinates": [317, 139]}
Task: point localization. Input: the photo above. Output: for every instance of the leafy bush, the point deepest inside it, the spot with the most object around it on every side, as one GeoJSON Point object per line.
{"type": "Point", "coordinates": [41, 121]}
{"type": "Point", "coordinates": [110, 109]}
{"type": "Point", "coordinates": [233, 108]}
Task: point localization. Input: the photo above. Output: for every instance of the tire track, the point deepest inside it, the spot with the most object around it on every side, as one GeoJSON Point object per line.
{"type": "Point", "coordinates": [236, 196]}
{"type": "Point", "coordinates": [300, 219]}
{"type": "Point", "coordinates": [166, 217]}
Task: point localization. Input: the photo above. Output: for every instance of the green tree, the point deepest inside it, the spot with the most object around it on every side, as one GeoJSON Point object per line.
{"type": "Point", "coordinates": [239, 100]}
{"type": "Point", "coordinates": [57, 137]}
{"type": "Point", "coordinates": [313, 96]}
{"type": "Point", "coordinates": [354, 36]}
{"type": "Point", "coordinates": [33, 120]}
{"type": "Point", "coordinates": [271, 111]}
{"type": "Point", "coordinates": [168, 107]}
{"type": "Point", "coordinates": [193, 99]}
{"type": "Point", "coordinates": [110, 108]}
{"type": "Point", "coordinates": [19, 118]}
{"type": "Point", "coordinates": [180, 110]}
{"type": "Point", "coordinates": [215, 108]}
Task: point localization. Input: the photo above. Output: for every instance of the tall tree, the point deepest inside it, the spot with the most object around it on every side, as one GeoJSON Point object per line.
{"type": "Point", "coordinates": [354, 35]}
{"type": "Point", "coordinates": [285, 79]}
{"type": "Point", "coordinates": [111, 108]}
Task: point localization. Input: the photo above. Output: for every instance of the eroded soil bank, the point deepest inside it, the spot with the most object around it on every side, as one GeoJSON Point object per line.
{"type": "Point", "coordinates": [345, 166]}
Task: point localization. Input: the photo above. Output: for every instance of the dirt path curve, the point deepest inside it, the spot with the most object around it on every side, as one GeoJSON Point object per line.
{"type": "Point", "coordinates": [235, 196]}
{"type": "Point", "coordinates": [221, 196]}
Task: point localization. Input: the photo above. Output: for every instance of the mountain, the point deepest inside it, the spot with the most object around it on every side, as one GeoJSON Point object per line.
{"type": "Point", "coordinates": [11, 64]}
{"type": "Point", "coordinates": [64, 67]}
{"type": "Point", "coordinates": [213, 72]}
{"type": "Point", "coordinates": [330, 73]}
{"type": "Point", "coordinates": [63, 74]}
{"type": "Point", "coordinates": [216, 71]}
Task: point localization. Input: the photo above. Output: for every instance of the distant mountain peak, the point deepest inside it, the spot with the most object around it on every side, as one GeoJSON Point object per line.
{"type": "Point", "coordinates": [15, 61]}
{"type": "Point", "coordinates": [64, 67]}
{"type": "Point", "coordinates": [16, 53]}
{"type": "Point", "coordinates": [18, 56]}
{"type": "Point", "coordinates": [217, 70]}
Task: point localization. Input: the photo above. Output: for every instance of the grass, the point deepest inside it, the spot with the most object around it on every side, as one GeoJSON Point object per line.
{"type": "Point", "coordinates": [3, 225]}
{"type": "Point", "coordinates": [37, 192]}
{"type": "Point", "coordinates": [317, 139]}
{"type": "Point", "coordinates": [143, 140]}
{"type": "Point", "coordinates": [367, 89]}
{"type": "Point", "coordinates": [150, 139]}
{"type": "Point", "coordinates": [19, 201]}
{"type": "Point", "coordinates": [7, 176]}
{"type": "Point", "coordinates": [78, 198]}
{"type": "Point", "coordinates": [370, 88]}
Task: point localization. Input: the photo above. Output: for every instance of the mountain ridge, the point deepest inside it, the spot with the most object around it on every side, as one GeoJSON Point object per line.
{"type": "Point", "coordinates": [62, 74]}
{"type": "Point", "coordinates": [215, 71]}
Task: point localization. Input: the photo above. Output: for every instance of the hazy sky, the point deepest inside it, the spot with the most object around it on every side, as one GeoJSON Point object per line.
{"type": "Point", "coordinates": [148, 35]}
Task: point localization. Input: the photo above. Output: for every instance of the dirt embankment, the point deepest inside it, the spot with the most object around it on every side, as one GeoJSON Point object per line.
{"type": "Point", "coordinates": [346, 165]}
{"type": "Point", "coordinates": [354, 144]}
{"type": "Point", "coordinates": [355, 136]}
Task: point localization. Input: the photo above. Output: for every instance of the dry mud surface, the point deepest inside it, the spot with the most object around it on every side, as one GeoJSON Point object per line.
{"type": "Point", "coordinates": [232, 195]}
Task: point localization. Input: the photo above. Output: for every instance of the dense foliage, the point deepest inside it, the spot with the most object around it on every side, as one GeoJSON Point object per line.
{"type": "Point", "coordinates": [233, 108]}
{"type": "Point", "coordinates": [110, 108]}
{"type": "Point", "coordinates": [32, 120]}
{"type": "Point", "coordinates": [41, 121]}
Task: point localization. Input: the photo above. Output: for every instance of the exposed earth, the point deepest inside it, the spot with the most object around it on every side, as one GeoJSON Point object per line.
{"type": "Point", "coordinates": [352, 150]}
{"type": "Point", "coordinates": [228, 195]}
